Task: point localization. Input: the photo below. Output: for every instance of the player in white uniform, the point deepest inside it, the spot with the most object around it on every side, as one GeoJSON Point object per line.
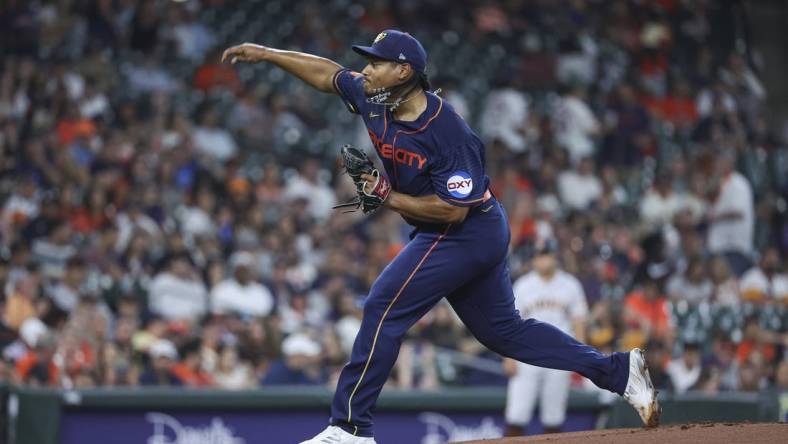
{"type": "Point", "coordinates": [551, 295]}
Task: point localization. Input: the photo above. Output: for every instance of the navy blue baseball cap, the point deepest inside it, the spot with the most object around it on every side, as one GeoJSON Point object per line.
{"type": "Point", "coordinates": [396, 46]}
{"type": "Point", "coordinates": [547, 246]}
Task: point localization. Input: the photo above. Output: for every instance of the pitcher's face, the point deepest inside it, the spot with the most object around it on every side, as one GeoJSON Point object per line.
{"type": "Point", "coordinates": [383, 74]}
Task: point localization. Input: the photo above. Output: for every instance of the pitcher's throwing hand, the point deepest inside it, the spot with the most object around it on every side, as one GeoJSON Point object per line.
{"type": "Point", "coordinates": [435, 166]}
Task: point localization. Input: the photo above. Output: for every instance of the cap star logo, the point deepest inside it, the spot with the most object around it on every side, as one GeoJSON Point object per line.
{"type": "Point", "coordinates": [380, 37]}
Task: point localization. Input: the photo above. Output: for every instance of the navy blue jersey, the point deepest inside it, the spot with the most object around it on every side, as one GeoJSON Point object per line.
{"type": "Point", "coordinates": [466, 263]}
{"type": "Point", "coordinates": [438, 153]}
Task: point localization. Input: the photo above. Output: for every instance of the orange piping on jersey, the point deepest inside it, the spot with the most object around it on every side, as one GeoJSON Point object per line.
{"type": "Point", "coordinates": [385, 125]}
{"type": "Point", "coordinates": [423, 127]}
{"type": "Point", "coordinates": [383, 140]}
{"type": "Point", "coordinates": [487, 196]}
{"type": "Point", "coordinates": [340, 93]}
{"type": "Point", "coordinates": [383, 318]}
{"type": "Point", "coordinates": [482, 199]}
{"type": "Point", "coordinates": [334, 81]}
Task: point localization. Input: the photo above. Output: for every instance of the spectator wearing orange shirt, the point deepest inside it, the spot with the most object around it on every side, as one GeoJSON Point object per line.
{"type": "Point", "coordinates": [680, 107]}
{"type": "Point", "coordinates": [510, 185]}
{"type": "Point", "coordinates": [73, 126]}
{"type": "Point", "coordinates": [213, 74]}
{"type": "Point", "coordinates": [516, 192]}
{"type": "Point", "coordinates": [677, 107]}
{"type": "Point", "coordinates": [20, 305]}
{"type": "Point", "coordinates": [646, 311]}
{"type": "Point", "coordinates": [37, 366]}
{"type": "Point", "coordinates": [93, 214]}
{"type": "Point", "coordinates": [76, 355]}
{"type": "Point", "coordinates": [189, 371]}
{"type": "Point", "coordinates": [753, 344]}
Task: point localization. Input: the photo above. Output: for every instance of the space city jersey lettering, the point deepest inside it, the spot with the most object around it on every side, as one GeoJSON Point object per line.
{"type": "Point", "coordinates": [437, 153]}
{"type": "Point", "coordinates": [400, 155]}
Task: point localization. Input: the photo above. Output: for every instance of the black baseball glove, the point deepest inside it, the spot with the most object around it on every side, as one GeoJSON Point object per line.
{"type": "Point", "coordinates": [369, 195]}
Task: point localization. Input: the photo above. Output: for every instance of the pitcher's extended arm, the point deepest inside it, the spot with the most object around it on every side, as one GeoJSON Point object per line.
{"type": "Point", "coordinates": [315, 71]}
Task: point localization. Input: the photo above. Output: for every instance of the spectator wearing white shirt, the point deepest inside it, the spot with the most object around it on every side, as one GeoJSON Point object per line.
{"type": "Point", "coordinates": [53, 252]}
{"type": "Point", "coordinates": [212, 140]}
{"type": "Point", "coordinates": [309, 185]}
{"type": "Point", "coordinates": [233, 373]}
{"type": "Point", "coordinates": [575, 125]}
{"type": "Point", "coordinates": [685, 371]}
{"type": "Point", "coordinates": [349, 322]}
{"type": "Point", "coordinates": [94, 103]}
{"type": "Point", "coordinates": [766, 282]}
{"type": "Point", "coordinates": [580, 187]}
{"type": "Point", "coordinates": [23, 205]}
{"type": "Point", "coordinates": [131, 220]}
{"type": "Point", "coordinates": [577, 60]}
{"type": "Point", "coordinates": [731, 217]}
{"type": "Point", "coordinates": [726, 287]}
{"type": "Point", "coordinates": [504, 118]}
{"type": "Point", "coordinates": [65, 294]}
{"type": "Point", "coordinates": [63, 75]}
{"type": "Point", "coordinates": [717, 92]}
{"type": "Point", "coordinates": [693, 286]}
{"type": "Point", "coordinates": [660, 203]}
{"type": "Point", "coordinates": [747, 88]}
{"type": "Point", "coordinates": [178, 293]}
{"type": "Point", "coordinates": [692, 200]}
{"type": "Point", "coordinates": [149, 77]}
{"type": "Point", "coordinates": [242, 294]}
{"type": "Point", "coordinates": [198, 219]}
{"type": "Point", "coordinates": [192, 38]}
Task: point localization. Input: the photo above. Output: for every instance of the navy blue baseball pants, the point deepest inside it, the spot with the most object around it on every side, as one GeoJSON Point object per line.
{"type": "Point", "coordinates": [466, 264]}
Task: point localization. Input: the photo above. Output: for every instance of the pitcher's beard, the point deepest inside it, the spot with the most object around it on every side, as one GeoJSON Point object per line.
{"type": "Point", "coordinates": [400, 92]}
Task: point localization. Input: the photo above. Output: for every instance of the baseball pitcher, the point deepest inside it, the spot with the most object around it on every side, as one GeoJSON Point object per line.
{"type": "Point", "coordinates": [433, 175]}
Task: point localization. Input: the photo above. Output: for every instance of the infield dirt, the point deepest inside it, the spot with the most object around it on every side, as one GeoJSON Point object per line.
{"type": "Point", "coordinates": [712, 433]}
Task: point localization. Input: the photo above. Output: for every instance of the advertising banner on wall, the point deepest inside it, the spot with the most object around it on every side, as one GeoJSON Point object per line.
{"type": "Point", "coordinates": [245, 427]}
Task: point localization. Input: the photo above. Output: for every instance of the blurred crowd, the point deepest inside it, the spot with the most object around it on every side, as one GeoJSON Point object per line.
{"type": "Point", "coordinates": [163, 226]}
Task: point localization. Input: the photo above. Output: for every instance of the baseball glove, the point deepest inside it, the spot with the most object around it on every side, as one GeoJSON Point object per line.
{"type": "Point", "coordinates": [369, 196]}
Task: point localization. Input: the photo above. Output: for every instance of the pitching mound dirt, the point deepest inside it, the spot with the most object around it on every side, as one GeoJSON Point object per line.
{"type": "Point", "coordinates": [715, 433]}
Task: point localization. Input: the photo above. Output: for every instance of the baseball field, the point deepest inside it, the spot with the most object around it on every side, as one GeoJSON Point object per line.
{"type": "Point", "coordinates": [393, 221]}
{"type": "Point", "coordinates": [699, 433]}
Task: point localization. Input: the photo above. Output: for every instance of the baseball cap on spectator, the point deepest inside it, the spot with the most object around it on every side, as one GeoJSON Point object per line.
{"type": "Point", "coordinates": [547, 246]}
{"type": "Point", "coordinates": [178, 327]}
{"type": "Point", "coordinates": [658, 270]}
{"type": "Point", "coordinates": [163, 349]}
{"type": "Point", "coordinates": [300, 344]}
{"type": "Point", "coordinates": [396, 46]}
{"type": "Point", "coordinates": [242, 259]}
{"type": "Point", "coordinates": [31, 331]}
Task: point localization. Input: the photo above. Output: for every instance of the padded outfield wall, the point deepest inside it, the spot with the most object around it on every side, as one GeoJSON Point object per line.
{"type": "Point", "coordinates": [288, 414]}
